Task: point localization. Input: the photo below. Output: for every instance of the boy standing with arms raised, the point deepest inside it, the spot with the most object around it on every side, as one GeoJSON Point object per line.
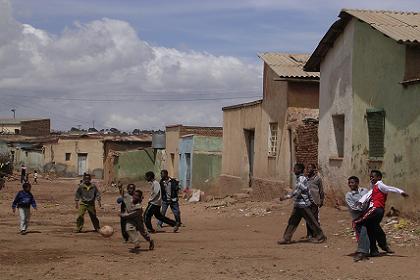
{"type": "Point", "coordinates": [373, 216]}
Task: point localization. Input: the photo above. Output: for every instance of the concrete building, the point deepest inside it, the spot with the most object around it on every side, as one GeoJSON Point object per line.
{"type": "Point", "coordinates": [72, 155]}
{"type": "Point", "coordinates": [200, 161]}
{"type": "Point", "coordinates": [174, 133]}
{"type": "Point", "coordinates": [128, 158]}
{"type": "Point", "coordinates": [27, 127]}
{"type": "Point", "coordinates": [260, 138]}
{"type": "Point", "coordinates": [369, 100]}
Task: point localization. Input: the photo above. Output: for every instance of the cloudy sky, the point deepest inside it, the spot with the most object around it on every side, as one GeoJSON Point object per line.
{"type": "Point", "coordinates": [145, 64]}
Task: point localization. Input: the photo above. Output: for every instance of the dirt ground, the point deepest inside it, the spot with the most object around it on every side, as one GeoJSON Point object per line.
{"type": "Point", "coordinates": [237, 241]}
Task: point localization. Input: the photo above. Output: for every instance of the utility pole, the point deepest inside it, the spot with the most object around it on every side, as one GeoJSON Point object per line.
{"type": "Point", "coordinates": [14, 113]}
{"type": "Point", "coordinates": [93, 124]}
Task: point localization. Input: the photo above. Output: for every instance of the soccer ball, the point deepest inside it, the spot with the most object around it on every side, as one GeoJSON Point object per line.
{"type": "Point", "coordinates": [106, 231]}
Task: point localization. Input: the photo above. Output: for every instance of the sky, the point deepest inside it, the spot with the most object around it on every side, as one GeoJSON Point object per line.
{"type": "Point", "coordinates": [146, 64]}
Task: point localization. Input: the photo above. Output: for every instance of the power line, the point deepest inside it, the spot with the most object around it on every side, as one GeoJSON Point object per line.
{"type": "Point", "coordinates": [138, 100]}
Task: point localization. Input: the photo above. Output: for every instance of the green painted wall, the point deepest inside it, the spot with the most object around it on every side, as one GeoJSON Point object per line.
{"type": "Point", "coordinates": [378, 69]}
{"type": "Point", "coordinates": [132, 165]}
{"type": "Point", "coordinates": [207, 161]}
{"type": "Point", "coordinates": [208, 144]}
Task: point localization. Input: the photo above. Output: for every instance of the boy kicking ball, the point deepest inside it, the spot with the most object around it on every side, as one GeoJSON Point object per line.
{"type": "Point", "coordinates": [133, 218]}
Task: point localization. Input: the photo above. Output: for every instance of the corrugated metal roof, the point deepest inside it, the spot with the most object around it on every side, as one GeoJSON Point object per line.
{"type": "Point", "coordinates": [287, 65]}
{"type": "Point", "coordinates": [403, 27]}
{"type": "Point", "coordinates": [242, 105]}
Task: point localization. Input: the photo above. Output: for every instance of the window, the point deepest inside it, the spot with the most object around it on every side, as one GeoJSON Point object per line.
{"type": "Point", "coordinates": [272, 140]}
{"type": "Point", "coordinates": [68, 156]}
{"type": "Point", "coordinates": [376, 130]}
{"type": "Point", "coordinates": [338, 124]}
{"type": "Point", "coordinates": [412, 64]}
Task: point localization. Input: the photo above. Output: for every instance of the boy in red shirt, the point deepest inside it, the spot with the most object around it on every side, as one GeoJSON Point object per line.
{"type": "Point", "coordinates": [372, 218]}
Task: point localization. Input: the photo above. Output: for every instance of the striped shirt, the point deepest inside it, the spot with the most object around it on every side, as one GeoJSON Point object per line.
{"type": "Point", "coordinates": [301, 193]}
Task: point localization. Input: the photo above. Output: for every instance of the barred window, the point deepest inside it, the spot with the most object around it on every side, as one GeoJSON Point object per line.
{"type": "Point", "coordinates": [376, 130]}
{"type": "Point", "coordinates": [272, 139]}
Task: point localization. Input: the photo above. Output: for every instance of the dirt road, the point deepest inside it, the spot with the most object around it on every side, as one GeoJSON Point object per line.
{"type": "Point", "coordinates": [235, 242]}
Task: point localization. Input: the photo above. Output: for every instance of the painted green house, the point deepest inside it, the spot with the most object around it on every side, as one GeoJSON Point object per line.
{"type": "Point", "coordinates": [200, 161]}
{"type": "Point", "coordinates": [369, 101]}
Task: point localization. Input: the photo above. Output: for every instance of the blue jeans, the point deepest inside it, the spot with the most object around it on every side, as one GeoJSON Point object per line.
{"type": "Point", "coordinates": [363, 244]}
{"type": "Point", "coordinates": [175, 210]}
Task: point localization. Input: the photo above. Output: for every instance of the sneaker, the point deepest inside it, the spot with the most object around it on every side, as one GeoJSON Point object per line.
{"type": "Point", "coordinates": [360, 257]}
{"type": "Point", "coordinates": [151, 245]}
{"type": "Point", "coordinates": [321, 239]}
{"type": "Point", "coordinates": [176, 228]}
{"type": "Point", "coordinates": [388, 250]}
{"type": "Point", "coordinates": [23, 232]}
{"type": "Point", "coordinates": [283, 242]}
{"type": "Point", "coordinates": [374, 253]}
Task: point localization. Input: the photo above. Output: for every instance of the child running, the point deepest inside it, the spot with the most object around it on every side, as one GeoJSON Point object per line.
{"type": "Point", "coordinates": [23, 201]}
{"type": "Point", "coordinates": [133, 219]}
{"type": "Point", "coordinates": [302, 209]}
{"type": "Point", "coordinates": [373, 216]}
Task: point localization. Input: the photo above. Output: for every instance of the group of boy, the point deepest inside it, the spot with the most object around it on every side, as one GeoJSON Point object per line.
{"type": "Point", "coordinates": [367, 209]}
{"type": "Point", "coordinates": [163, 195]}
{"type": "Point", "coordinates": [308, 195]}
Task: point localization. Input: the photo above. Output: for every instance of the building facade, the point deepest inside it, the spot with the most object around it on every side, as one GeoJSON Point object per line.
{"type": "Point", "coordinates": [369, 100]}
{"type": "Point", "coordinates": [259, 138]}
{"type": "Point", "coordinates": [200, 161]}
{"type": "Point", "coordinates": [26, 127]}
{"type": "Point", "coordinates": [174, 133]}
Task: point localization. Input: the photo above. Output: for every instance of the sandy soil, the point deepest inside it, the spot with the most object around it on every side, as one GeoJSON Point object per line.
{"type": "Point", "coordinates": [235, 242]}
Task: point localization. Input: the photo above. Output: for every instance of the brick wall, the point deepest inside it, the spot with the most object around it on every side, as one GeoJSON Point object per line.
{"type": "Point", "coordinates": [306, 142]}
{"type": "Point", "coordinates": [36, 128]}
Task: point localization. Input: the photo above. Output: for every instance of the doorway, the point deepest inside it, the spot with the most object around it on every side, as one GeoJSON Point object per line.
{"type": "Point", "coordinates": [188, 170]}
{"type": "Point", "coordinates": [250, 140]}
{"type": "Point", "coordinates": [82, 163]}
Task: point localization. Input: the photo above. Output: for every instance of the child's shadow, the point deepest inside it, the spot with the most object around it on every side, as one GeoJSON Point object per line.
{"type": "Point", "coordinates": [32, 231]}
{"type": "Point", "coordinates": [137, 250]}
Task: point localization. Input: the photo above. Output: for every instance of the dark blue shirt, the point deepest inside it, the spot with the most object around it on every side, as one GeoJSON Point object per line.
{"type": "Point", "coordinates": [24, 200]}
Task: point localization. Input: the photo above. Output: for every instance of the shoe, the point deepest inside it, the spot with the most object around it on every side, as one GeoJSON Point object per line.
{"type": "Point", "coordinates": [321, 239]}
{"type": "Point", "coordinates": [388, 250]}
{"type": "Point", "coordinates": [283, 242]}
{"type": "Point", "coordinates": [23, 232]}
{"type": "Point", "coordinates": [176, 228]}
{"type": "Point", "coordinates": [360, 257]}
{"type": "Point", "coordinates": [374, 253]}
{"type": "Point", "coordinates": [151, 245]}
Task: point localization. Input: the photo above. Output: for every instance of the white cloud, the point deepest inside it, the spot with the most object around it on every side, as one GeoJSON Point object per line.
{"type": "Point", "coordinates": [105, 59]}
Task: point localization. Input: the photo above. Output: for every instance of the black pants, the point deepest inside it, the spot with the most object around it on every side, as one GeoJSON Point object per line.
{"type": "Point", "coordinates": [123, 229]}
{"type": "Point", "coordinates": [372, 220]}
{"type": "Point", "coordinates": [315, 212]}
{"type": "Point", "coordinates": [154, 210]}
{"type": "Point", "coordinates": [296, 217]}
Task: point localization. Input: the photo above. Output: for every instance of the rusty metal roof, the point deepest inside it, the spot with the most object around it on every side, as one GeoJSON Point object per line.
{"type": "Point", "coordinates": [287, 65]}
{"type": "Point", "coordinates": [403, 27]}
